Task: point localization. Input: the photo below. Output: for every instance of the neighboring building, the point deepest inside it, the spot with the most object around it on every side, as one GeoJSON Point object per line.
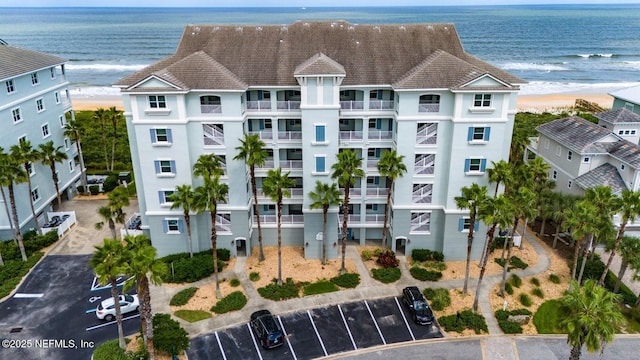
{"type": "Point", "coordinates": [582, 154]}
{"type": "Point", "coordinates": [35, 105]}
{"type": "Point", "coordinates": [622, 122]}
{"type": "Point", "coordinates": [628, 98]}
{"type": "Point", "coordinates": [310, 89]}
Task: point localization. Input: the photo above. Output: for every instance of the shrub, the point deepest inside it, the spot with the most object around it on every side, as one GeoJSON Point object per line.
{"type": "Point", "coordinates": [234, 301]}
{"type": "Point", "coordinates": [547, 318]}
{"type": "Point", "coordinates": [94, 189]}
{"type": "Point", "coordinates": [498, 242]}
{"type": "Point", "coordinates": [223, 254]}
{"type": "Point", "coordinates": [515, 280]}
{"type": "Point", "coordinates": [287, 290]}
{"type": "Point", "coordinates": [426, 255]}
{"type": "Point", "coordinates": [192, 315]}
{"type": "Point", "coordinates": [628, 296]}
{"type": "Point", "coordinates": [429, 293]}
{"type": "Point", "coordinates": [423, 274]}
{"type": "Point", "coordinates": [80, 189]}
{"type": "Point", "coordinates": [168, 335]}
{"type": "Point", "coordinates": [517, 263]}
{"type": "Point", "coordinates": [535, 281]}
{"type": "Point", "coordinates": [388, 259]}
{"type": "Point", "coordinates": [509, 327]}
{"type": "Point", "coordinates": [593, 268]}
{"type": "Point", "coordinates": [13, 271]}
{"type": "Point", "coordinates": [347, 280]}
{"type": "Point", "coordinates": [439, 298]}
{"type": "Point", "coordinates": [377, 251]}
{"type": "Point", "coordinates": [320, 287]}
{"type": "Point", "coordinates": [538, 292]}
{"type": "Point", "coordinates": [254, 276]}
{"type": "Point", "coordinates": [502, 315]}
{"type": "Point", "coordinates": [435, 265]}
{"type": "Point", "coordinates": [109, 350]}
{"type": "Point", "coordinates": [465, 319]}
{"type": "Point", "coordinates": [235, 282]}
{"type": "Point", "coordinates": [366, 255]}
{"type": "Point", "coordinates": [190, 269]}
{"type": "Point", "coordinates": [183, 296]}
{"type": "Point", "coordinates": [508, 288]}
{"type": "Point", "coordinates": [554, 278]}
{"type": "Point", "coordinates": [386, 275]}
{"type": "Point", "coordinates": [110, 183]}
{"type": "Point", "coordinates": [525, 300]}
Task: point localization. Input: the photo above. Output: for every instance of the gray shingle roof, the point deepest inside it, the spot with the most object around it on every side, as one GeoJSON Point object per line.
{"type": "Point", "coordinates": [15, 61]}
{"type": "Point", "coordinates": [372, 54]}
{"type": "Point", "coordinates": [320, 64]}
{"type": "Point", "coordinates": [617, 116]}
{"type": "Point", "coordinates": [626, 151]}
{"type": "Point", "coordinates": [578, 134]}
{"type": "Point", "coordinates": [606, 175]}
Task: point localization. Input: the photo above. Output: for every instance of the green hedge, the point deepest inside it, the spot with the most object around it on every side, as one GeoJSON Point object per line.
{"type": "Point", "coordinates": [426, 255]}
{"type": "Point", "coordinates": [109, 350]}
{"type": "Point", "coordinates": [347, 280]}
{"type": "Point", "coordinates": [234, 301]}
{"type": "Point", "coordinates": [13, 271]}
{"type": "Point", "coordinates": [423, 274]}
{"type": "Point", "coordinates": [183, 296]}
{"type": "Point", "coordinates": [466, 320]}
{"type": "Point", "coordinates": [386, 275]}
{"type": "Point", "coordinates": [32, 243]}
{"type": "Point", "coordinates": [273, 291]}
{"type": "Point", "coordinates": [183, 268]}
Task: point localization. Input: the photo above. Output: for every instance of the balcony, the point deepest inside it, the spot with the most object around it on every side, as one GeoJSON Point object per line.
{"type": "Point", "coordinates": [353, 192]}
{"type": "Point", "coordinates": [213, 135]}
{"type": "Point", "coordinates": [423, 194]}
{"type": "Point", "coordinates": [211, 109]}
{"type": "Point", "coordinates": [290, 136]}
{"type": "Point", "coordinates": [355, 219]}
{"type": "Point", "coordinates": [263, 135]}
{"type": "Point", "coordinates": [427, 134]}
{"type": "Point", "coordinates": [428, 107]}
{"type": "Point", "coordinates": [284, 219]}
{"type": "Point", "coordinates": [377, 192]}
{"type": "Point", "coordinates": [291, 164]}
{"type": "Point", "coordinates": [350, 136]}
{"type": "Point", "coordinates": [351, 105]}
{"type": "Point", "coordinates": [421, 223]}
{"type": "Point", "coordinates": [372, 164]}
{"type": "Point", "coordinates": [268, 164]}
{"type": "Point", "coordinates": [425, 165]}
{"type": "Point", "coordinates": [223, 224]}
{"type": "Point", "coordinates": [378, 135]}
{"type": "Point", "coordinates": [262, 105]}
{"type": "Point", "coordinates": [288, 105]}
{"type": "Point", "coordinates": [295, 192]}
{"type": "Point", "coordinates": [381, 105]}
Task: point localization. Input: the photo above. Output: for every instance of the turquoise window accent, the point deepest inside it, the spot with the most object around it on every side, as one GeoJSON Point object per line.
{"type": "Point", "coordinates": [320, 164]}
{"type": "Point", "coordinates": [320, 133]}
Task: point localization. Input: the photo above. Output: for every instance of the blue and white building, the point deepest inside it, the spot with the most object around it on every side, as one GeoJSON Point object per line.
{"type": "Point", "coordinates": [309, 90]}
{"type": "Point", "coordinates": [35, 106]}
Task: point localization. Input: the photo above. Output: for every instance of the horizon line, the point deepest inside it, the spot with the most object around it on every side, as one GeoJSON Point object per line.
{"type": "Point", "coordinates": [551, 3]}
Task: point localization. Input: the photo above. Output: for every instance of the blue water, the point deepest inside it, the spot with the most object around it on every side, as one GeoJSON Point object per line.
{"type": "Point", "coordinates": [556, 48]}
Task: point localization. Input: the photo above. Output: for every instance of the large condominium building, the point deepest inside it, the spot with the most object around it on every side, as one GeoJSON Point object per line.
{"type": "Point", "coordinates": [310, 90]}
{"type": "Point", "coordinates": [35, 106]}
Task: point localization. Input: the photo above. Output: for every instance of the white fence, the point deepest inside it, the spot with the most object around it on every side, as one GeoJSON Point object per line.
{"type": "Point", "coordinates": [60, 221]}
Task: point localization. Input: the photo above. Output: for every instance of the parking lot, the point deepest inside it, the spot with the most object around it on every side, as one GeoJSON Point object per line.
{"type": "Point", "coordinates": [320, 332]}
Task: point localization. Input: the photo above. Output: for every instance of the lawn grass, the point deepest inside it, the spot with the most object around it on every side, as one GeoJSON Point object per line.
{"type": "Point", "coordinates": [192, 315]}
{"type": "Point", "coordinates": [547, 318]}
{"type": "Point", "coordinates": [320, 287]}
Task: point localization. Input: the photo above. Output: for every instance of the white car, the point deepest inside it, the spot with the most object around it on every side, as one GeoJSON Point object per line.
{"type": "Point", "coordinates": [107, 308]}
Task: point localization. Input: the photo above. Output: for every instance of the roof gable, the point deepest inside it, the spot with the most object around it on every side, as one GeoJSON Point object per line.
{"type": "Point", "coordinates": [605, 174]}
{"type": "Point", "coordinates": [618, 116]}
{"type": "Point", "coordinates": [319, 64]}
{"type": "Point", "coordinates": [577, 134]}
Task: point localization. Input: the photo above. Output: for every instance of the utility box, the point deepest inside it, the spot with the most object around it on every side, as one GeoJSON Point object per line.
{"type": "Point", "coordinates": [124, 176]}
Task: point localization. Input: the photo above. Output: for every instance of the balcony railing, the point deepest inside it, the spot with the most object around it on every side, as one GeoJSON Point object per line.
{"type": "Point", "coordinates": [212, 135]}
{"type": "Point", "coordinates": [263, 105]}
{"type": "Point", "coordinates": [268, 164]}
{"type": "Point", "coordinates": [288, 105]}
{"type": "Point", "coordinates": [295, 192]}
{"type": "Point", "coordinates": [211, 109]}
{"type": "Point", "coordinates": [381, 104]}
{"type": "Point", "coordinates": [284, 219]}
{"type": "Point", "coordinates": [290, 136]}
{"type": "Point", "coordinates": [354, 192]}
{"type": "Point", "coordinates": [263, 135]}
{"type": "Point", "coordinates": [372, 164]}
{"type": "Point", "coordinates": [423, 195]}
{"type": "Point", "coordinates": [427, 134]}
{"type": "Point", "coordinates": [291, 164]}
{"type": "Point", "coordinates": [350, 135]}
{"type": "Point", "coordinates": [429, 108]}
{"type": "Point", "coordinates": [351, 105]}
{"type": "Point", "coordinates": [421, 223]}
{"type": "Point", "coordinates": [359, 219]}
{"type": "Point", "coordinates": [377, 192]}
{"type": "Point", "coordinates": [425, 165]}
{"type": "Point", "coordinates": [222, 223]}
{"type": "Point", "coordinates": [378, 135]}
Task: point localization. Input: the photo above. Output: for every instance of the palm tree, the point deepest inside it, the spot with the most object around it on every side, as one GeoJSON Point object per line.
{"type": "Point", "coordinates": [630, 208]}
{"type": "Point", "coordinates": [471, 199]}
{"type": "Point", "coordinates": [108, 263]}
{"type": "Point", "coordinates": [253, 152]}
{"type": "Point", "coordinates": [581, 220]}
{"type": "Point", "coordinates": [561, 204]}
{"type": "Point", "coordinates": [114, 117]}
{"type": "Point", "coordinates": [391, 166]}
{"type": "Point", "coordinates": [500, 173]}
{"type": "Point", "coordinates": [183, 198]}
{"type": "Point", "coordinates": [494, 212]}
{"type": "Point", "coordinates": [11, 173]}
{"type": "Point", "coordinates": [50, 155]}
{"type": "Point", "coordinates": [276, 186]}
{"type": "Point", "coordinates": [324, 196]}
{"type": "Point", "coordinates": [74, 131]}
{"type": "Point", "coordinates": [629, 253]}
{"type": "Point", "coordinates": [208, 166]}
{"type": "Point", "coordinates": [118, 199]}
{"type": "Point", "coordinates": [593, 317]}
{"type": "Point", "coordinates": [347, 170]}
{"type": "Point", "coordinates": [101, 115]}
{"type": "Point", "coordinates": [25, 154]}
{"type": "Point", "coordinates": [144, 267]}
{"type": "Point", "coordinates": [107, 216]}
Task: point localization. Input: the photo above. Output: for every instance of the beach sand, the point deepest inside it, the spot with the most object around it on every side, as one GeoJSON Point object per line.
{"type": "Point", "coordinates": [531, 103]}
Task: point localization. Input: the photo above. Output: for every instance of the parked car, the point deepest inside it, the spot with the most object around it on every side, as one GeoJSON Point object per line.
{"type": "Point", "coordinates": [266, 328]}
{"type": "Point", "coordinates": [419, 307]}
{"type": "Point", "coordinates": [107, 308]}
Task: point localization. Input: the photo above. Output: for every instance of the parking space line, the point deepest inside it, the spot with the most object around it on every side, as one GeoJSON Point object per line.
{"type": "Point", "coordinates": [255, 344]}
{"type": "Point", "coordinates": [375, 322]}
{"type": "Point", "coordinates": [347, 326]}
{"type": "Point", "coordinates": [405, 319]}
{"type": "Point", "coordinates": [27, 296]}
{"type": "Point", "coordinates": [224, 357]}
{"type": "Point", "coordinates": [287, 337]}
{"type": "Point", "coordinates": [88, 311]}
{"type": "Point", "coordinates": [112, 322]}
{"type": "Point", "coordinates": [317, 333]}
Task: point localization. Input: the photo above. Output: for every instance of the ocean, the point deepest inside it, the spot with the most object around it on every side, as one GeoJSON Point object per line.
{"type": "Point", "coordinates": [556, 48]}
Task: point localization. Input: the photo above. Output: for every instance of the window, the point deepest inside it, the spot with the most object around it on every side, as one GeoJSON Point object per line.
{"type": "Point", "coordinates": [17, 116]}
{"type": "Point", "coordinates": [464, 224]}
{"type": "Point", "coordinates": [66, 143]}
{"type": "Point", "coordinates": [210, 104]}
{"type": "Point", "coordinates": [157, 102]}
{"type": "Point", "coordinates": [586, 159]}
{"type": "Point", "coordinates": [71, 166]}
{"type": "Point", "coordinates": [320, 133]}
{"type": "Point", "coordinates": [429, 103]}
{"type": "Point", "coordinates": [420, 221]}
{"type": "Point", "coordinates": [268, 208]}
{"type": "Point", "coordinates": [45, 131]}
{"type": "Point", "coordinates": [372, 207]}
{"type": "Point", "coordinates": [569, 183]}
{"type": "Point", "coordinates": [475, 165]}
{"type": "Point", "coordinates": [10, 86]}
{"type": "Point", "coordinates": [61, 119]}
{"type": "Point", "coordinates": [165, 197]}
{"type": "Point", "coordinates": [478, 134]}
{"type": "Point", "coordinates": [160, 136]}
{"type": "Point", "coordinates": [633, 132]}
{"type": "Point", "coordinates": [57, 96]}
{"type": "Point", "coordinates": [558, 150]}
{"type": "Point", "coordinates": [34, 78]}
{"type": "Point", "coordinates": [373, 180]}
{"type": "Point", "coordinates": [622, 167]}
{"type": "Point", "coordinates": [172, 226]}
{"type": "Point", "coordinates": [546, 143]}
{"type": "Point", "coordinates": [35, 195]}
{"type": "Point", "coordinates": [554, 175]}
{"type": "Point", "coordinates": [629, 106]}
{"type": "Point", "coordinates": [569, 155]}
{"type": "Point", "coordinates": [165, 167]}
{"type": "Point", "coordinates": [53, 72]}
{"type": "Point", "coordinates": [22, 138]}
{"type": "Point", "coordinates": [40, 105]}
{"type": "Point", "coordinates": [620, 132]}
{"type": "Point", "coordinates": [482, 100]}
{"type": "Point", "coordinates": [320, 164]}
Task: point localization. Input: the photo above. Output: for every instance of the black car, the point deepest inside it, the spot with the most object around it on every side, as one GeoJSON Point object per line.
{"type": "Point", "coordinates": [418, 306]}
{"type": "Point", "coordinates": [267, 330]}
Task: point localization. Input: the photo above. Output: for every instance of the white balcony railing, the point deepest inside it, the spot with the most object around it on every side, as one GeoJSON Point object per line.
{"type": "Point", "coordinates": [378, 135]}
{"type": "Point", "coordinates": [372, 164]}
{"type": "Point", "coordinates": [425, 165]}
{"type": "Point", "coordinates": [421, 223]}
{"type": "Point", "coordinates": [429, 108]}
{"type": "Point", "coordinates": [262, 105]}
{"type": "Point", "coordinates": [288, 105]}
{"type": "Point", "coordinates": [381, 104]}
{"type": "Point", "coordinates": [212, 135]}
{"type": "Point", "coordinates": [354, 192]}
{"type": "Point", "coordinates": [359, 219]}
{"type": "Point", "coordinates": [350, 135]}
{"type": "Point", "coordinates": [427, 134]}
{"type": "Point", "coordinates": [211, 109]}
{"type": "Point", "coordinates": [284, 219]}
{"type": "Point", "coordinates": [295, 192]}
{"type": "Point", "coordinates": [268, 164]}
{"type": "Point", "coordinates": [222, 223]}
{"type": "Point", "coordinates": [423, 195]}
{"type": "Point", "coordinates": [264, 135]}
{"type": "Point", "coordinates": [291, 164]}
{"type": "Point", "coordinates": [294, 136]}
{"type": "Point", "coordinates": [350, 105]}
{"type": "Point", "coordinates": [377, 192]}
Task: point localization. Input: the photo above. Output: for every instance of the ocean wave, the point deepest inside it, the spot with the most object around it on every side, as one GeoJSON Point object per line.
{"type": "Point", "coordinates": [534, 67]}
{"type": "Point", "coordinates": [548, 87]}
{"type": "Point", "coordinates": [587, 56]}
{"type": "Point", "coordinates": [93, 91]}
{"type": "Point", "coordinates": [106, 67]}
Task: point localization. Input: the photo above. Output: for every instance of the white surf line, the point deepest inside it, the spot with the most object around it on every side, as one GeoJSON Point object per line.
{"type": "Point", "coordinates": [317, 333]}
{"type": "Point", "coordinates": [255, 344]}
{"type": "Point", "coordinates": [347, 326]}
{"type": "Point", "coordinates": [287, 338]}
{"type": "Point", "coordinates": [375, 323]}
{"type": "Point", "coordinates": [405, 319]}
{"type": "Point", "coordinates": [224, 357]}
{"type": "Point", "coordinates": [111, 322]}
{"type": "Point", "coordinates": [27, 296]}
